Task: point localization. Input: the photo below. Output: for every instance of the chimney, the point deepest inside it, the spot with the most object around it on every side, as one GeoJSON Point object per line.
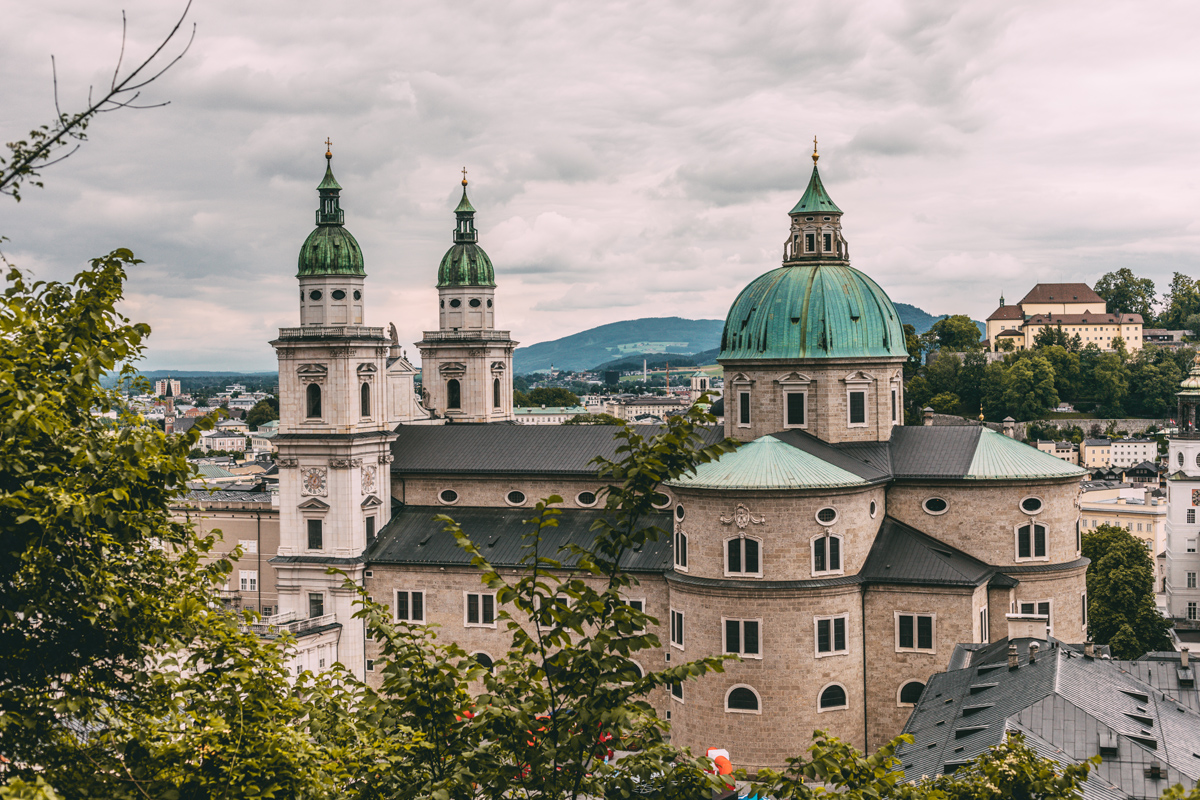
{"type": "Point", "coordinates": [928, 413]}
{"type": "Point", "coordinates": [1013, 661]}
{"type": "Point", "coordinates": [1034, 647]}
{"type": "Point", "coordinates": [1089, 649]}
{"type": "Point", "coordinates": [1183, 657]}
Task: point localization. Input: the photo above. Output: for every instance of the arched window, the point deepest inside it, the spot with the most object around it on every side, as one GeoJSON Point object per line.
{"type": "Point", "coordinates": [742, 557]}
{"type": "Point", "coordinates": [833, 697]}
{"type": "Point", "coordinates": [314, 401]}
{"type": "Point", "coordinates": [681, 550]}
{"type": "Point", "coordinates": [484, 660]}
{"type": "Point", "coordinates": [910, 693]}
{"type": "Point", "coordinates": [742, 698]}
{"type": "Point", "coordinates": [827, 553]}
{"type": "Point", "coordinates": [634, 670]}
{"type": "Point", "coordinates": [1031, 541]}
{"type": "Point", "coordinates": [453, 394]}
{"type": "Point", "coordinates": [495, 392]}
{"type": "Point", "coordinates": [365, 398]}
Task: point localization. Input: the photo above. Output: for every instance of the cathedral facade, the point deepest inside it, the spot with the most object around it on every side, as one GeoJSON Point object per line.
{"type": "Point", "coordinates": [839, 553]}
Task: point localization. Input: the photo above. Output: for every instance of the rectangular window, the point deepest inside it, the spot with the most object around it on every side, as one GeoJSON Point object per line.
{"type": "Point", "coordinates": [1083, 601]}
{"type": "Point", "coordinates": [677, 628]}
{"type": "Point", "coordinates": [915, 631]}
{"type": "Point", "coordinates": [1192, 611]}
{"type": "Point", "coordinates": [742, 557]}
{"type": "Point", "coordinates": [370, 665]}
{"type": "Point", "coordinates": [640, 605]}
{"type": "Point", "coordinates": [410, 606]}
{"type": "Point", "coordinates": [828, 242]}
{"type": "Point", "coordinates": [741, 637]}
{"type": "Point", "coordinates": [316, 605]}
{"type": "Point", "coordinates": [249, 580]}
{"type": "Point", "coordinates": [248, 546]}
{"type": "Point", "coordinates": [315, 536]}
{"type": "Point", "coordinates": [371, 529]}
{"type": "Point", "coordinates": [795, 409]}
{"type": "Point", "coordinates": [895, 409]}
{"type": "Point", "coordinates": [268, 611]}
{"type": "Point", "coordinates": [1191, 580]}
{"type": "Point", "coordinates": [1191, 516]}
{"type": "Point", "coordinates": [1031, 541]}
{"type": "Point", "coordinates": [810, 242]}
{"type": "Point", "coordinates": [481, 610]}
{"type": "Point", "coordinates": [831, 635]}
{"type": "Point", "coordinates": [681, 550]}
{"type": "Point", "coordinates": [676, 692]}
{"type": "Point", "coordinates": [858, 408]}
{"type": "Point", "coordinates": [827, 554]}
{"type": "Point", "coordinates": [743, 408]}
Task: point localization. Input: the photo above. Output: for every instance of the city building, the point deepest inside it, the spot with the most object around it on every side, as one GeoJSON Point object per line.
{"type": "Point", "coordinates": [1164, 338]}
{"type": "Point", "coordinates": [547, 415]}
{"type": "Point", "coordinates": [1095, 453]}
{"type": "Point", "coordinates": [630, 408]}
{"type": "Point", "coordinates": [229, 441]}
{"type": "Point", "coordinates": [1067, 451]}
{"type": "Point", "coordinates": [1073, 307]}
{"type": "Point", "coordinates": [162, 385]}
{"type": "Point", "coordinates": [1183, 498]}
{"type": "Point", "coordinates": [1071, 703]}
{"type": "Point", "coordinates": [1132, 451]}
{"type": "Point", "coordinates": [842, 555]}
{"type": "Point", "coordinates": [1136, 510]}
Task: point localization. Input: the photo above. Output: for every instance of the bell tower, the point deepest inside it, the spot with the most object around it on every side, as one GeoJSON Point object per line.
{"type": "Point", "coordinates": [334, 439]}
{"type": "Point", "coordinates": [466, 365]}
{"type": "Point", "coordinates": [816, 231]}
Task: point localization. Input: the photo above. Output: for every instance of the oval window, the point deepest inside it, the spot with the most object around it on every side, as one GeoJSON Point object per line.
{"type": "Point", "coordinates": [660, 500]}
{"type": "Point", "coordinates": [874, 509]}
{"type": "Point", "coordinates": [1198, 459]}
{"type": "Point", "coordinates": [338, 294]}
{"type": "Point", "coordinates": [448, 496]}
{"type": "Point", "coordinates": [455, 303]}
{"type": "Point", "coordinates": [1031, 505]}
{"type": "Point", "coordinates": [475, 302]}
{"type": "Point", "coordinates": [827, 515]}
{"type": "Point", "coordinates": [515, 498]}
{"type": "Point", "coordinates": [935, 505]}
{"type": "Point", "coordinates": [826, 218]}
{"type": "Point", "coordinates": [315, 294]}
{"type": "Point", "coordinates": [808, 219]}
{"type": "Point", "coordinates": [586, 499]}
{"type": "Point", "coordinates": [489, 303]}
{"type": "Point", "coordinates": [301, 295]}
{"type": "Point", "coordinates": [1181, 459]}
{"type": "Point", "coordinates": [679, 511]}
{"type": "Point", "coordinates": [357, 294]}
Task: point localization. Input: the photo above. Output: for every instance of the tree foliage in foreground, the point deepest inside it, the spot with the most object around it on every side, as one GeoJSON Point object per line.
{"type": "Point", "coordinates": [1120, 584]}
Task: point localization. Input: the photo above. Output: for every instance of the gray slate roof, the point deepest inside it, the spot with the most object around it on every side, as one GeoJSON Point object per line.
{"type": "Point", "coordinates": [902, 554]}
{"type": "Point", "coordinates": [510, 449]}
{"type": "Point", "coordinates": [934, 451]}
{"type": "Point", "coordinates": [1066, 705]}
{"type": "Point", "coordinates": [412, 537]}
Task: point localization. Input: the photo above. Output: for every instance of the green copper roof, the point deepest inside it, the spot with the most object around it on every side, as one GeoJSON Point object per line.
{"type": "Point", "coordinates": [330, 249]}
{"type": "Point", "coordinates": [1191, 384]}
{"type": "Point", "coordinates": [465, 264]}
{"type": "Point", "coordinates": [767, 463]}
{"type": "Point", "coordinates": [815, 198]}
{"type": "Point", "coordinates": [999, 457]}
{"type": "Point", "coordinates": [812, 311]}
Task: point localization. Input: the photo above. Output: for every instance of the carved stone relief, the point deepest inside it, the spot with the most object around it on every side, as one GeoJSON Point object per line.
{"type": "Point", "coordinates": [345, 463]}
{"type": "Point", "coordinates": [742, 517]}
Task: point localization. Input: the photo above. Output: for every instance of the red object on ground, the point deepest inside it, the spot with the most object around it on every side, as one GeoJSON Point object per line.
{"type": "Point", "coordinates": [723, 765]}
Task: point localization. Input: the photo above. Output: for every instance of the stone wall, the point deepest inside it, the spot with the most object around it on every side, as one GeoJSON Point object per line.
{"type": "Point", "coordinates": [1124, 426]}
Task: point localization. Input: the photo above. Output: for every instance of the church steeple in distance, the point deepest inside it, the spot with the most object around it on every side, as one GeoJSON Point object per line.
{"type": "Point", "coordinates": [816, 231]}
{"type": "Point", "coordinates": [330, 265]}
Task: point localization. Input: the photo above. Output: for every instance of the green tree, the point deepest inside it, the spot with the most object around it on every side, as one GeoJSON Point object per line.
{"type": "Point", "coordinates": [946, 403]}
{"type": "Point", "coordinates": [970, 382]}
{"type": "Point", "coordinates": [1051, 335]}
{"type": "Point", "coordinates": [1066, 370]}
{"type": "Point", "coordinates": [991, 394]}
{"type": "Point", "coordinates": [943, 372]}
{"type": "Point", "coordinates": [958, 333]}
{"type": "Point", "coordinates": [594, 419]}
{"type": "Point", "coordinates": [1125, 293]}
{"type": "Point", "coordinates": [1120, 584]}
{"type": "Point", "coordinates": [264, 410]}
{"type": "Point", "coordinates": [1180, 303]}
{"type": "Point", "coordinates": [912, 343]}
{"type": "Point", "coordinates": [1110, 381]}
{"type": "Point", "coordinates": [1029, 389]}
{"type": "Point", "coordinates": [1156, 386]}
{"type": "Point", "coordinates": [551, 396]}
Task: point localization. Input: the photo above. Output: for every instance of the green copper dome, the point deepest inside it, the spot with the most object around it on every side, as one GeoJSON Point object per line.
{"type": "Point", "coordinates": [812, 311]}
{"type": "Point", "coordinates": [816, 199]}
{"type": "Point", "coordinates": [330, 249]}
{"type": "Point", "coordinates": [465, 264]}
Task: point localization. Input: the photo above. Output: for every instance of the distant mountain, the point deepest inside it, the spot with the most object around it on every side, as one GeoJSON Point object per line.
{"type": "Point", "coordinates": [620, 343]}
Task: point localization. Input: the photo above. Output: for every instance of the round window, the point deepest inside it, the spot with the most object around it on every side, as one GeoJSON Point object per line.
{"type": "Point", "coordinates": [874, 509]}
{"type": "Point", "coordinates": [935, 505]}
{"type": "Point", "coordinates": [515, 498]}
{"type": "Point", "coordinates": [338, 294]}
{"type": "Point", "coordinates": [1031, 505]}
{"type": "Point", "coordinates": [455, 303]}
{"type": "Point", "coordinates": [660, 500]}
{"type": "Point", "coordinates": [1198, 459]}
{"type": "Point", "coordinates": [357, 294]}
{"type": "Point", "coordinates": [315, 294]}
{"type": "Point", "coordinates": [475, 302]}
{"type": "Point", "coordinates": [679, 511]}
{"type": "Point", "coordinates": [448, 496]}
{"type": "Point", "coordinates": [1181, 459]}
{"type": "Point", "coordinates": [827, 515]}
{"type": "Point", "coordinates": [586, 499]}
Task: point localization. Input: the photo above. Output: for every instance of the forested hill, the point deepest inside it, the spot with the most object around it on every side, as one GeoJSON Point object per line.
{"type": "Point", "coordinates": [638, 338]}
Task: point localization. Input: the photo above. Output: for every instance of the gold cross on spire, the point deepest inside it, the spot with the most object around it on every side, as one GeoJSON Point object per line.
{"type": "Point", "coordinates": [328, 148]}
{"type": "Point", "coordinates": [464, 176]}
{"type": "Point", "coordinates": [815, 156]}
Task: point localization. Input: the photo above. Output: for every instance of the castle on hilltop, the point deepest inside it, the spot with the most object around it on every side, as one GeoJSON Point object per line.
{"type": "Point", "coordinates": [841, 554]}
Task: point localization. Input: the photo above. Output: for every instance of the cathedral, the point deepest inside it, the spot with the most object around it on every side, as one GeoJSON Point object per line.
{"type": "Point", "coordinates": [841, 554]}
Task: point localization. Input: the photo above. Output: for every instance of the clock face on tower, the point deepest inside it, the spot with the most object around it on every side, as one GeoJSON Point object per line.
{"type": "Point", "coordinates": [312, 481]}
{"type": "Point", "coordinates": [1196, 497]}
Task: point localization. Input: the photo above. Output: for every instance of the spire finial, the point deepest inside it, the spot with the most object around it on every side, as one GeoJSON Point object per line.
{"type": "Point", "coordinates": [328, 149]}
{"type": "Point", "coordinates": [815, 156]}
{"type": "Point", "coordinates": [464, 176]}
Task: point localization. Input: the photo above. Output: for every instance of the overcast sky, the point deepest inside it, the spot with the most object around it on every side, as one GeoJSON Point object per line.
{"type": "Point", "coordinates": [626, 159]}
